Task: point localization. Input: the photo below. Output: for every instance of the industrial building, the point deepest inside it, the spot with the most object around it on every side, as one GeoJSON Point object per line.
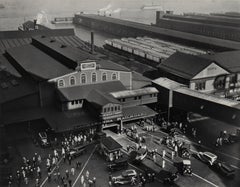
{"type": "Point", "coordinates": [68, 88]}
{"type": "Point", "coordinates": [210, 73]}
{"type": "Point", "coordinates": [205, 25]}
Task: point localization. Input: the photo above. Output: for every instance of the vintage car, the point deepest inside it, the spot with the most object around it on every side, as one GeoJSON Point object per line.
{"type": "Point", "coordinates": [77, 151]}
{"type": "Point", "coordinates": [117, 165]}
{"type": "Point", "coordinates": [207, 157]}
{"type": "Point", "coordinates": [224, 169]}
{"type": "Point", "coordinates": [125, 177]}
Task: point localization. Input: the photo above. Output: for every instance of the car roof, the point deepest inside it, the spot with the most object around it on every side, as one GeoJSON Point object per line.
{"type": "Point", "coordinates": [187, 162]}
{"type": "Point", "coordinates": [209, 154]}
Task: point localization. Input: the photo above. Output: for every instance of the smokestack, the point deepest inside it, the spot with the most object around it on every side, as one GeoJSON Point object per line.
{"type": "Point", "coordinates": [92, 42]}
{"type": "Point", "coordinates": [34, 24]}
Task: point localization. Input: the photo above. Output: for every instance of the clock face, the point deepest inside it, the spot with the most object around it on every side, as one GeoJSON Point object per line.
{"type": "Point", "coordinates": [88, 66]}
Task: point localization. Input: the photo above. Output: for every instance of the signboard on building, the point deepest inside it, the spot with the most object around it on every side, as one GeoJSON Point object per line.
{"type": "Point", "coordinates": [88, 66]}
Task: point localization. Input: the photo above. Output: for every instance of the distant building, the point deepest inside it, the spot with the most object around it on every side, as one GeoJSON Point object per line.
{"type": "Point", "coordinates": [208, 73]}
{"type": "Point", "coordinates": [223, 27]}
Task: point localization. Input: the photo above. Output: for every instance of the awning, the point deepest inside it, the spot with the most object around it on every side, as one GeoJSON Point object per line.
{"type": "Point", "coordinates": [136, 112]}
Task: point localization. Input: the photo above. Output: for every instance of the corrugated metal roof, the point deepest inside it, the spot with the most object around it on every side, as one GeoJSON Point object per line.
{"type": "Point", "coordinates": [82, 91]}
{"type": "Point", "coordinates": [36, 62]}
{"type": "Point", "coordinates": [167, 83]}
{"type": "Point", "coordinates": [208, 97]}
{"type": "Point", "coordinates": [132, 93]}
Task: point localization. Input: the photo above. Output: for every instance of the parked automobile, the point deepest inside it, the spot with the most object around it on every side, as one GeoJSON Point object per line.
{"type": "Point", "coordinates": [129, 173]}
{"type": "Point", "coordinates": [224, 168]}
{"type": "Point", "coordinates": [77, 151]}
{"type": "Point", "coordinates": [171, 179]}
{"type": "Point", "coordinates": [121, 180]}
{"type": "Point", "coordinates": [119, 164]}
{"type": "Point", "coordinates": [207, 157]}
{"type": "Point", "coordinates": [125, 177]}
{"type": "Point", "coordinates": [43, 139]}
{"type": "Point", "coordinates": [186, 167]}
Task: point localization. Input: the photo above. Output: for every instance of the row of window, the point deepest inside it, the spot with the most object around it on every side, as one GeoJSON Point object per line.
{"type": "Point", "coordinates": [111, 109]}
{"type": "Point", "coordinates": [138, 97]}
{"type": "Point", "coordinates": [200, 85]}
{"type": "Point", "coordinates": [83, 79]}
{"type": "Point", "coordinates": [76, 102]}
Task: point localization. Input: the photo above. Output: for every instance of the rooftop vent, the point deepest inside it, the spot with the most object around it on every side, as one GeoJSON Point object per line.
{"type": "Point", "coordinates": [4, 85]}
{"type": "Point", "coordinates": [52, 40]}
{"type": "Point", "coordinates": [63, 46]}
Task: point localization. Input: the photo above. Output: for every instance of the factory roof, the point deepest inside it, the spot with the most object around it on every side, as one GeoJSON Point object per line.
{"type": "Point", "coordinates": [82, 92]}
{"type": "Point", "coordinates": [36, 62]}
{"type": "Point", "coordinates": [12, 84]}
{"type": "Point", "coordinates": [184, 65]}
{"type": "Point", "coordinates": [167, 83]}
{"type": "Point", "coordinates": [133, 93]}
{"type": "Point", "coordinates": [168, 32]}
{"type": "Point", "coordinates": [9, 39]}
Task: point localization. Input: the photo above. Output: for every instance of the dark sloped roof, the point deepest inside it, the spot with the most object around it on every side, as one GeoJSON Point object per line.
{"type": "Point", "coordinates": [36, 62]}
{"type": "Point", "coordinates": [81, 92]}
{"type": "Point", "coordinates": [12, 84]}
{"type": "Point", "coordinates": [29, 34]}
{"type": "Point", "coordinates": [109, 65]}
{"type": "Point", "coordinates": [184, 65]}
{"type": "Point", "coordinates": [230, 60]}
{"type": "Point", "coordinates": [98, 98]}
{"type": "Point", "coordinates": [73, 54]}
{"type": "Point", "coordinates": [110, 143]}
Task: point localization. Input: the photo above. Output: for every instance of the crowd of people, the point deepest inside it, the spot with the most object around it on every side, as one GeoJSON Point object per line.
{"type": "Point", "coordinates": [31, 169]}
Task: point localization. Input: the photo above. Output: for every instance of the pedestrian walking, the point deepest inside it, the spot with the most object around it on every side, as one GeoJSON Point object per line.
{"type": "Point", "coordinates": [163, 163]}
{"type": "Point", "coordinates": [67, 174]}
{"type": "Point", "coordinates": [39, 172]}
{"type": "Point", "coordinates": [172, 154]}
{"type": "Point", "coordinates": [163, 153]}
{"type": "Point", "coordinates": [69, 159]}
{"type": "Point", "coordinates": [70, 182]}
{"type": "Point", "coordinates": [82, 179]}
{"type": "Point", "coordinates": [26, 180]}
{"type": "Point", "coordinates": [39, 159]}
{"type": "Point", "coordinates": [72, 171]}
{"type": "Point", "coordinates": [87, 174]}
{"type": "Point", "coordinates": [49, 176]}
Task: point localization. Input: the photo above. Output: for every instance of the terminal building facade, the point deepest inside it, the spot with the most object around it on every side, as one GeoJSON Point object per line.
{"type": "Point", "coordinates": [70, 88]}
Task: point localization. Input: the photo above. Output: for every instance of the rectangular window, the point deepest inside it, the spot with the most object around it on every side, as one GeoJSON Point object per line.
{"type": "Point", "coordinates": [139, 97]}
{"type": "Point", "coordinates": [104, 110]}
{"type": "Point", "coordinates": [123, 99]}
{"type": "Point", "coordinates": [135, 98]}
{"type": "Point", "coordinates": [112, 108]}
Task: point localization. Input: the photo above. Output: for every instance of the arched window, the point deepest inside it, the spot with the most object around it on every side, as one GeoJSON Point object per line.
{"type": "Point", "coordinates": [72, 80]}
{"type": "Point", "coordinates": [94, 77]}
{"type": "Point", "coordinates": [83, 78]}
{"type": "Point", "coordinates": [61, 83]}
{"type": "Point", "coordinates": [114, 76]}
{"type": "Point", "coordinates": [104, 77]}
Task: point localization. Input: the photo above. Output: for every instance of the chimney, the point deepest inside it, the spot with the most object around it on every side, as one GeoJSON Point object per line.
{"type": "Point", "coordinates": [92, 42]}
{"type": "Point", "coordinates": [34, 24]}
{"type": "Point", "coordinates": [159, 15]}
